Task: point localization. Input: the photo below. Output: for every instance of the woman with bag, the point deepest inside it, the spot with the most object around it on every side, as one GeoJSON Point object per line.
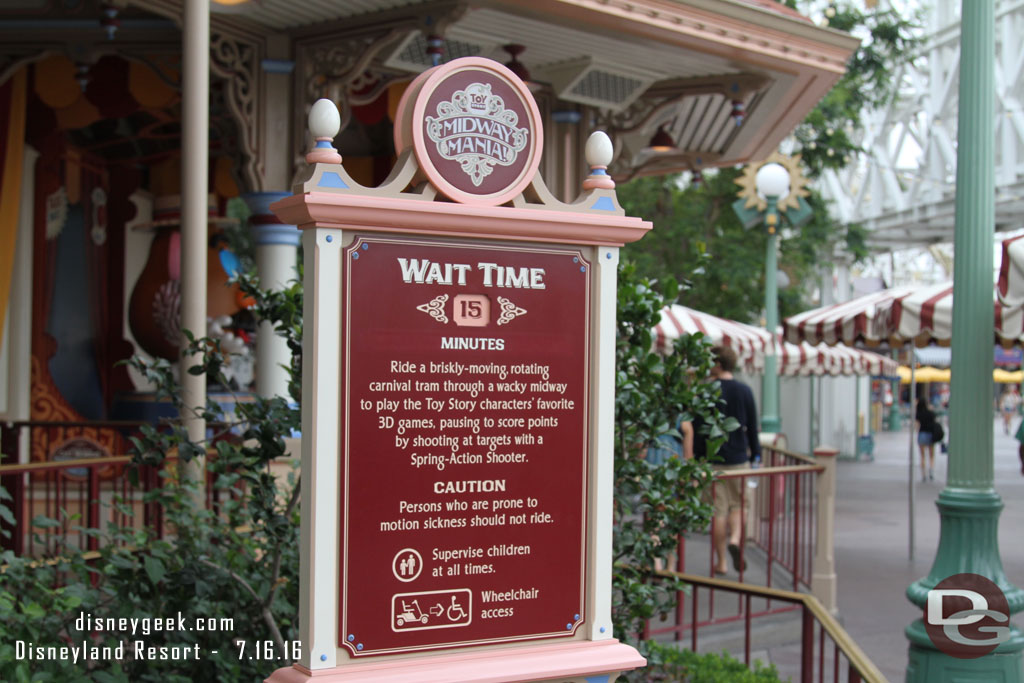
{"type": "Point", "coordinates": [926, 437]}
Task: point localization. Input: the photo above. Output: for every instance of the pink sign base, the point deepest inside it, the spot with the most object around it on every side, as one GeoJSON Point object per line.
{"type": "Point", "coordinates": [565, 663]}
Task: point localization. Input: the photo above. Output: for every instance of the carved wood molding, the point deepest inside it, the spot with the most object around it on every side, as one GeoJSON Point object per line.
{"type": "Point", "coordinates": [237, 60]}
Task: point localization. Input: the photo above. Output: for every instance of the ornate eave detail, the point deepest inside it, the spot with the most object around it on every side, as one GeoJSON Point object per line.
{"type": "Point", "coordinates": [237, 61]}
{"type": "Point", "coordinates": [338, 63]}
{"type": "Point", "coordinates": [659, 102]}
{"type": "Point", "coordinates": [236, 51]}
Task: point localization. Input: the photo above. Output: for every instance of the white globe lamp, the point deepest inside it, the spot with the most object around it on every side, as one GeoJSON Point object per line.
{"type": "Point", "coordinates": [772, 180]}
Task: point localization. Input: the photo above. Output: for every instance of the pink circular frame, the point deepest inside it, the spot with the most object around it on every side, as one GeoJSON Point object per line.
{"type": "Point", "coordinates": [435, 77]}
{"type": "Point", "coordinates": [403, 113]}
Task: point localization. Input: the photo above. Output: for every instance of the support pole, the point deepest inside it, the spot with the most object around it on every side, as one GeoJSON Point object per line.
{"type": "Point", "coordinates": [910, 459]}
{"type": "Point", "coordinates": [969, 506]}
{"type": "Point", "coordinates": [277, 246]}
{"type": "Point", "coordinates": [823, 572]}
{"type": "Point", "coordinates": [894, 409]}
{"type": "Point", "coordinates": [810, 416]}
{"type": "Point", "coordinates": [195, 123]}
{"type": "Point", "coordinates": [770, 421]}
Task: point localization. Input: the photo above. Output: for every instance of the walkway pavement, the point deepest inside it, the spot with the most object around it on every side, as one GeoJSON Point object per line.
{"type": "Point", "coordinates": [872, 540]}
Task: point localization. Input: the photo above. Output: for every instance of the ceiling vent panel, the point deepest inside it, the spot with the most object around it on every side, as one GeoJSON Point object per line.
{"type": "Point", "coordinates": [411, 54]}
{"type": "Point", "coordinates": [587, 81]}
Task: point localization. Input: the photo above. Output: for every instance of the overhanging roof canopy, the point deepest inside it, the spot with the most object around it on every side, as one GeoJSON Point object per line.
{"type": "Point", "coordinates": [687, 66]}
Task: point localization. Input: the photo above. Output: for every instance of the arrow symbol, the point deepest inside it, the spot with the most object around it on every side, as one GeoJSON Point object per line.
{"type": "Point", "coordinates": [437, 610]}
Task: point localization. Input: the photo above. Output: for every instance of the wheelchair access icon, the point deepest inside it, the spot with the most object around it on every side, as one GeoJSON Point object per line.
{"type": "Point", "coordinates": [427, 610]}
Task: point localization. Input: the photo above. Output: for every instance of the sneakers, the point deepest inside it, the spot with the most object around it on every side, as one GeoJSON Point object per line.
{"type": "Point", "coordinates": [931, 475]}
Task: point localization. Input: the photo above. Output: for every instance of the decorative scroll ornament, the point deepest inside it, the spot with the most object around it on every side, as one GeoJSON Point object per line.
{"type": "Point", "coordinates": [236, 59]}
{"type": "Point", "coordinates": [509, 311]}
{"type": "Point", "coordinates": [435, 308]}
{"type": "Point", "coordinates": [476, 130]}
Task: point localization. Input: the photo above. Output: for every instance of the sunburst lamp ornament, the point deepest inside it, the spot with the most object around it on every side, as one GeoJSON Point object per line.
{"type": "Point", "coordinates": [781, 180]}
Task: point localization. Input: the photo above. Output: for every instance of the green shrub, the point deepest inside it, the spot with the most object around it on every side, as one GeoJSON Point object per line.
{"type": "Point", "coordinates": [667, 663]}
{"type": "Point", "coordinates": [238, 564]}
{"type": "Point", "coordinates": [655, 503]}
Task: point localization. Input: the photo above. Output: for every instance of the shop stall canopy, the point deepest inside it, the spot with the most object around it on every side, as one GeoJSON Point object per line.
{"type": "Point", "coordinates": [926, 374]}
{"type": "Point", "coordinates": [914, 313]}
{"type": "Point", "coordinates": [751, 344]}
{"type": "Point", "coordinates": [923, 375]}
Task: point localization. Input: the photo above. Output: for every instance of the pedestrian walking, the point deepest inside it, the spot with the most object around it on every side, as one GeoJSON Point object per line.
{"type": "Point", "coordinates": [1009, 403]}
{"type": "Point", "coordinates": [741, 447]}
{"type": "Point", "coordinates": [926, 437]}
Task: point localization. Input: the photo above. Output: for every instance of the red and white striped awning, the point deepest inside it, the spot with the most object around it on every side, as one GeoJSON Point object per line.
{"type": "Point", "coordinates": [806, 359]}
{"type": "Point", "coordinates": [848, 322]}
{"type": "Point", "coordinates": [921, 314]}
{"type": "Point", "coordinates": [751, 345]}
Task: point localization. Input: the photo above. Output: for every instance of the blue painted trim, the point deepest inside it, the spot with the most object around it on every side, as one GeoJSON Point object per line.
{"type": "Point", "coordinates": [603, 204]}
{"type": "Point", "coordinates": [332, 179]}
{"type": "Point", "coordinates": [323, 144]}
{"type": "Point", "coordinates": [278, 66]}
{"type": "Point", "coordinates": [270, 233]}
{"type": "Point", "coordinates": [566, 116]}
{"type": "Point", "coordinates": [603, 678]}
{"type": "Point", "coordinates": [259, 202]}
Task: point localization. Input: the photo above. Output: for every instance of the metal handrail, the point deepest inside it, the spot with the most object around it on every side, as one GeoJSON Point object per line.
{"type": "Point", "coordinates": [791, 454]}
{"type": "Point", "coordinates": [858, 660]}
{"type": "Point", "coordinates": [44, 465]}
{"type": "Point", "coordinates": [768, 471]}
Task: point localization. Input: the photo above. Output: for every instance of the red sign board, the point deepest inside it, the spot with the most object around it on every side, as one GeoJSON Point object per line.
{"type": "Point", "coordinates": [464, 443]}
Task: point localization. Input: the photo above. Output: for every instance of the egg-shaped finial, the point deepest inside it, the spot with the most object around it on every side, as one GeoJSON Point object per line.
{"type": "Point", "coordinates": [599, 149]}
{"type": "Point", "coordinates": [599, 152]}
{"type": "Point", "coordinates": [324, 119]}
{"type": "Point", "coordinates": [324, 123]}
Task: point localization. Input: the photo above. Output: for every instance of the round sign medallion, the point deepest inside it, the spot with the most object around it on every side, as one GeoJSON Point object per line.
{"type": "Point", "coordinates": [476, 131]}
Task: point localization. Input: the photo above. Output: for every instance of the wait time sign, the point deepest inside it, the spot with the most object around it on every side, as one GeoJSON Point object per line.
{"type": "Point", "coordinates": [464, 444]}
{"type": "Point", "coordinates": [458, 400]}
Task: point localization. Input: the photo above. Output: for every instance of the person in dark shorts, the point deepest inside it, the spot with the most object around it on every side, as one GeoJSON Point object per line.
{"type": "Point", "coordinates": [925, 437]}
{"type": "Point", "coordinates": [741, 447]}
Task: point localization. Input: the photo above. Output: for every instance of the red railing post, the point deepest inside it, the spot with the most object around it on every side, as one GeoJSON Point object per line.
{"type": "Point", "coordinates": [770, 549]}
{"type": "Point", "coordinates": [93, 514]}
{"type": "Point", "coordinates": [746, 630]}
{"type": "Point", "coordinates": [693, 623]}
{"type": "Point", "coordinates": [807, 647]}
{"type": "Point", "coordinates": [796, 531]}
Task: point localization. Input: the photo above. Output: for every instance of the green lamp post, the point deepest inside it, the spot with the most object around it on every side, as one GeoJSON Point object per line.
{"type": "Point", "coordinates": [968, 636]}
{"type": "Point", "coordinates": [771, 189]}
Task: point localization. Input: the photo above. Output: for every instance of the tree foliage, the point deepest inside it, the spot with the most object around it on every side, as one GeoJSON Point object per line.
{"type": "Point", "coordinates": [655, 504]}
{"type": "Point", "coordinates": [826, 138]}
{"type": "Point", "coordinates": [697, 238]}
{"type": "Point", "coordinates": [238, 561]}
